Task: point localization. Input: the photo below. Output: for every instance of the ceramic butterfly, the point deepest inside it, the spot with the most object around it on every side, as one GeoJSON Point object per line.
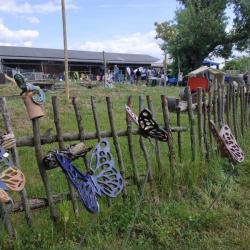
{"type": "Point", "coordinates": [147, 125]}
{"type": "Point", "coordinates": [103, 177]}
{"type": "Point", "coordinates": [227, 143]}
{"type": "Point", "coordinates": [11, 178]}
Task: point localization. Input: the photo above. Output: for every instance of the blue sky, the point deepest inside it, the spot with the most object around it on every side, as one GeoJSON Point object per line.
{"type": "Point", "coordinates": [114, 26]}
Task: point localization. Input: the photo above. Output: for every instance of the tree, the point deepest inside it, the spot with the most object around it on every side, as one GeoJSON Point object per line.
{"type": "Point", "coordinates": [241, 64]}
{"type": "Point", "coordinates": [240, 34]}
{"type": "Point", "coordinates": [199, 31]}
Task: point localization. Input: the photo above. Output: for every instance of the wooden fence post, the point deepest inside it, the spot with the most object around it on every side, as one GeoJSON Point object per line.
{"type": "Point", "coordinates": [234, 114]}
{"type": "Point", "coordinates": [97, 128]}
{"type": "Point", "coordinates": [80, 127]}
{"type": "Point", "coordinates": [222, 103]}
{"type": "Point", "coordinates": [205, 123]}
{"type": "Point", "coordinates": [209, 117]}
{"type": "Point", "coordinates": [44, 176]}
{"type": "Point", "coordinates": [237, 99]}
{"type": "Point", "coordinates": [219, 103]}
{"type": "Point", "coordinates": [130, 147]}
{"type": "Point", "coordinates": [246, 105]}
{"type": "Point", "coordinates": [166, 118]}
{"type": "Point", "coordinates": [228, 105]}
{"type": "Point", "coordinates": [199, 118]}
{"type": "Point", "coordinates": [96, 120]}
{"type": "Point", "coordinates": [191, 122]}
{"type": "Point", "coordinates": [5, 215]}
{"type": "Point", "coordinates": [242, 111]}
{"type": "Point", "coordinates": [178, 123]}
{"type": "Point", "coordinates": [15, 157]}
{"type": "Point", "coordinates": [116, 142]}
{"type": "Point", "coordinates": [215, 100]}
{"type": "Point", "coordinates": [62, 147]}
{"type": "Point", "coordinates": [157, 145]}
{"type": "Point", "coordinates": [143, 147]}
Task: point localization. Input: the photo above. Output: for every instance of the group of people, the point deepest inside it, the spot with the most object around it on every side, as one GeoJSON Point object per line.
{"type": "Point", "coordinates": [141, 73]}
{"type": "Point", "coordinates": [133, 76]}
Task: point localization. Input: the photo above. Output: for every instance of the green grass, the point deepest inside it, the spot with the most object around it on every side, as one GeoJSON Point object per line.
{"type": "Point", "coordinates": [168, 214]}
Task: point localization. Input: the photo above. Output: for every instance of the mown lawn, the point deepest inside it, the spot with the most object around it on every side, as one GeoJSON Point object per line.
{"type": "Point", "coordinates": [167, 217]}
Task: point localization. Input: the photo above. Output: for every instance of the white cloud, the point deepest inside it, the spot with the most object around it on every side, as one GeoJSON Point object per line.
{"type": "Point", "coordinates": [16, 37]}
{"type": "Point", "coordinates": [127, 5]}
{"type": "Point", "coordinates": [52, 6]}
{"type": "Point", "coordinates": [25, 7]}
{"type": "Point", "coordinates": [11, 6]}
{"type": "Point", "coordinates": [31, 19]}
{"type": "Point", "coordinates": [140, 43]}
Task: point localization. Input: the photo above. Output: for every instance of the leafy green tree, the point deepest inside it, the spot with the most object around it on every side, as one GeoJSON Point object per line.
{"type": "Point", "coordinates": [241, 64]}
{"type": "Point", "coordinates": [240, 34]}
{"type": "Point", "coordinates": [199, 31]}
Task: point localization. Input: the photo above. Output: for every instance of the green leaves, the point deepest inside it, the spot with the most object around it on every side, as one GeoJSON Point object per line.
{"type": "Point", "coordinates": [199, 31]}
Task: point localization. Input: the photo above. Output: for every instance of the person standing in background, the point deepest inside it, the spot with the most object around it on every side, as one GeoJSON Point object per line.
{"type": "Point", "coordinates": [138, 75]}
{"type": "Point", "coordinates": [128, 70]}
{"type": "Point", "coordinates": [116, 73]}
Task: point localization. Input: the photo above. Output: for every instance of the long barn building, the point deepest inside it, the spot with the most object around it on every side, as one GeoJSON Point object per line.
{"type": "Point", "coordinates": [51, 61]}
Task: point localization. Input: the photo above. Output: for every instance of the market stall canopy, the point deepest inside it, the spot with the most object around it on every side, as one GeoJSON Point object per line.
{"type": "Point", "coordinates": [205, 69]}
{"type": "Point", "coordinates": [217, 74]}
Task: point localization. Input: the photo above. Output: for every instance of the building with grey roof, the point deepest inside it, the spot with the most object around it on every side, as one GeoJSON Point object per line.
{"type": "Point", "coordinates": [50, 61]}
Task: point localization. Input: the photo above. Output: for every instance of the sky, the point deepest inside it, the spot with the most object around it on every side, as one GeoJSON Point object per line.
{"type": "Point", "coordinates": [125, 26]}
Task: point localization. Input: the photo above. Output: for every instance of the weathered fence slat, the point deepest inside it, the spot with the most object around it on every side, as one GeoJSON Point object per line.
{"type": "Point", "coordinates": [166, 118]}
{"type": "Point", "coordinates": [219, 103]}
{"type": "Point", "coordinates": [7, 221]}
{"type": "Point", "coordinates": [62, 147]}
{"type": "Point", "coordinates": [15, 157]}
{"type": "Point", "coordinates": [74, 136]}
{"type": "Point", "coordinates": [191, 122]}
{"type": "Point", "coordinates": [228, 105]}
{"type": "Point", "coordinates": [130, 147]}
{"type": "Point", "coordinates": [97, 128]}
{"type": "Point", "coordinates": [242, 109]}
{"type": "Point", "coordinates": [222, 103]}
{"type": "Point", "coordinates": [44, 176]}
{"type": "Point", "coordinates": [234, 113]}
{"type": "Point", "coordinates": [96, 120]}
{"type": "Point", "coordinates": [143, 147]}
{"type": "Point", "coordinates": [215, 104]}
{"type": "Point", "coordinates": [204, 106]}
{"type": "Point", "coordinates": [237, 98]}
{"type": "Point", "coordinates": [200, 124]}
{"type": "Point", "coordinates": [209, 117]}
{"type": "Point", "coordinates": [157, 145]}
{"type": "Point", "coordinates": [230, 96]}
{"type": "Point", "coordinates": [116, 141]}
{"type": "Point", "coordinates": [246, 108]}
{"type": "Point", "coordinates": [178, 123]}
{"type": "Point", "coordinates": [80, 127]}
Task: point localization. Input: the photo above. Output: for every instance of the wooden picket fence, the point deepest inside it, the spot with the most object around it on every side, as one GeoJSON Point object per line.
{"type": "Point", "coordinates": [222, 104]}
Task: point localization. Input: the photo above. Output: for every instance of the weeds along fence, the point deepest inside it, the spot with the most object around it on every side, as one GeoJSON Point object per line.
{"type": "Point", "coordinates": [223, 104]}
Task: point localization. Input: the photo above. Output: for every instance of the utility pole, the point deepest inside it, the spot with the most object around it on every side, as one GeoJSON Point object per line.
{"type": "Point", "coordinates": [66, 64]}
{"type": "Point", "coordinates": [105, 68]}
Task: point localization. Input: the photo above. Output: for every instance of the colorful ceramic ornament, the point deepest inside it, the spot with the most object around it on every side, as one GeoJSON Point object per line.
{"type": "Point", "coordinates": [102, 178]}
{"type": "Point", "coordinates": [147, 125]}
{"type": "Point", "coordinates": [227, 143]}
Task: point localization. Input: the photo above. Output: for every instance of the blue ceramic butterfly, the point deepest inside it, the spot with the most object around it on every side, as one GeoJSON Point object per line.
{"type": "Point", "coordinates": [103, 177]}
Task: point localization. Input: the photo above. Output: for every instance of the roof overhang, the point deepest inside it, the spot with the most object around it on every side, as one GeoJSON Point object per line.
{"type": "Point", "coordinates": [205, 69]}
{"type": "Point", "coordinates": [73, 60]}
